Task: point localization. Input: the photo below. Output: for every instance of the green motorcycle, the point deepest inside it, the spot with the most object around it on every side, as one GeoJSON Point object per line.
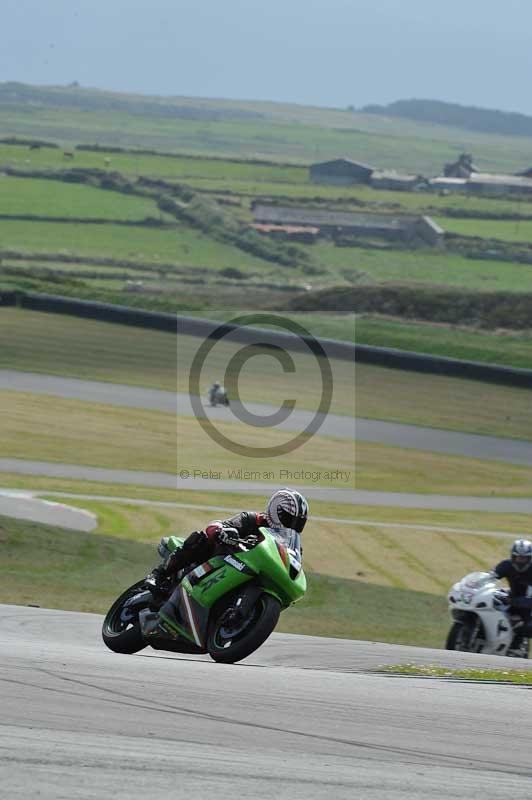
{"type": "Point", "coordinates": [227, 606]}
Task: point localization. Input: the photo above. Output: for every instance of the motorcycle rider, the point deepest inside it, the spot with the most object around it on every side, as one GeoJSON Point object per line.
{"type": "Point", "coordinates": [216, 394]}
{"type": "Point", "coordinates": [286, 509]}
{"type": "Point", "coordinates": [518, 572]}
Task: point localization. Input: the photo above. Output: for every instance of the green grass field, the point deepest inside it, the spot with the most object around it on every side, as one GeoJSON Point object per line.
{"type": "Point", "coordinates": [358, 264]}
{"type": "Point", "coordinates": [180, 245]}
{"type": "Point", "coordinates": [250, 179]}
{"type": "Point", "coordinates": [504, 230]}
{"type": "Point", "coordinates": [195, 285]}
{"type": "Point", "coordinates": [202, 258]}
{"type": "Point", "coordinates": [57, 199]}
{"type": "Point", "coordinates": [154, 166]}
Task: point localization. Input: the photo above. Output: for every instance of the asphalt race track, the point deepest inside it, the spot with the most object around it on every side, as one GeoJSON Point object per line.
{"type": "Point", "coordinates": [500, 505]}
{"type": "Point", "coordinates": [22, 505]}
{"type": "Point", "coordinates": [512, 451]}
{"type": "Point", "coordinates": [301, 718]}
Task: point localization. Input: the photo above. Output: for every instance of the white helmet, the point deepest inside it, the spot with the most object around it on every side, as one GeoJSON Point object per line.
{"type": "Point", "coordinates": [287, 509]}
{"type": "Point", "coordinates": [521, 554]}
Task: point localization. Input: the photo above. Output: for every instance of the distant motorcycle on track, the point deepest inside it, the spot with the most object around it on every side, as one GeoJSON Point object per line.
{"type": "Point", "coordinates": [217, 396]}
{"type": "Point", "coordinates": [482, 621]}
{"type": "Point", "coordinates": [228, 606]}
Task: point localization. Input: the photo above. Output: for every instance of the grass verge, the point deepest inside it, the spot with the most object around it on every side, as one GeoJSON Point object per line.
{"type": "Point", "coordinates": [520, 677]}
{"type": "Point", "coordinates": [56, 344]}
{"type": "Point", "coordinates": [513, 349]}
{"type": "Point", "coordinates": [437, 401]}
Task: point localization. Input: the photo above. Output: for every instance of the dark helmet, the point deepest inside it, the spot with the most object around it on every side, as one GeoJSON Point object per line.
{"type": "Point", "coordinates": [521, 554]}
{"type": "Point", "coordinates": [287, 509]}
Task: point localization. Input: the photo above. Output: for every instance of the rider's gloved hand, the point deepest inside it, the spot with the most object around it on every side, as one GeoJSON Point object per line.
{"type": "Point", "coordinates": [228, 536]}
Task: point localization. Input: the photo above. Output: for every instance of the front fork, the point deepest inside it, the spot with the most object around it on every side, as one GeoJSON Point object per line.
{"type": "Point", "coordinates": [476, 625]}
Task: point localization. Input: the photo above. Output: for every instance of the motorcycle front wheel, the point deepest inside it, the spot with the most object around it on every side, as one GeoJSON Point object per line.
{"type": "Point", "coordinates": [121, 628]}
{"type": "Point", "coordinates": [232, 640]}
{"type": "Point", "coordinates": [465, 636]}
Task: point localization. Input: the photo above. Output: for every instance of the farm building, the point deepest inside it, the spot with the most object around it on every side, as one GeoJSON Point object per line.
{"type": "Point", "coordinates": [397, 181]}
{"type": "Point", "coordinates": [484, 183]}
{"type": "Point", "coordinates": [341, 172]}
{"type": "Point", "coordinates": [445, 184]}
{"type": "Point", "coordinates": [391, 227]}
{"type": "Point", "coordinates": [297, 233]}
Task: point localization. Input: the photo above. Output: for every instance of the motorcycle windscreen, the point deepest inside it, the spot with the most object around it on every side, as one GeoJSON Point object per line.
{"type": "Point", "coordinates": [291, 541]}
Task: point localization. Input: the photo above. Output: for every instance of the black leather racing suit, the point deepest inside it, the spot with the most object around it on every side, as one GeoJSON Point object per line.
{"type": "Point", "coordinates": [519, 583]}
{"type": "Point", "coordinates": [199, 546]}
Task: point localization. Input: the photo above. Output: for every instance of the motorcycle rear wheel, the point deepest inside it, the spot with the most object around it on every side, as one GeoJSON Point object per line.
{"type": "Point", "coordinates": [229, 644]}
{"type": "Point", "coordinates": [119, 635]}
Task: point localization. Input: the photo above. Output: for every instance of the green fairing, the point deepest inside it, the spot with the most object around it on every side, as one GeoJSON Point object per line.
{"type": "Point", "coordinates": [217, 584]}
{"type": "Point", "coordinates": [264, 563]}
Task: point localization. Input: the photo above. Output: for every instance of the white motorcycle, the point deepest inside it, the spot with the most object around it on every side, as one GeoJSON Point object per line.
{"type": "Point", "coordinates": [482, 622]}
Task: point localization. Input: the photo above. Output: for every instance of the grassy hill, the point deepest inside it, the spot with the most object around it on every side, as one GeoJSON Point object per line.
{"type": "Point", "coordinates": [469, 118]}
{"type": "Point", "coordinates": [245, 128]}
